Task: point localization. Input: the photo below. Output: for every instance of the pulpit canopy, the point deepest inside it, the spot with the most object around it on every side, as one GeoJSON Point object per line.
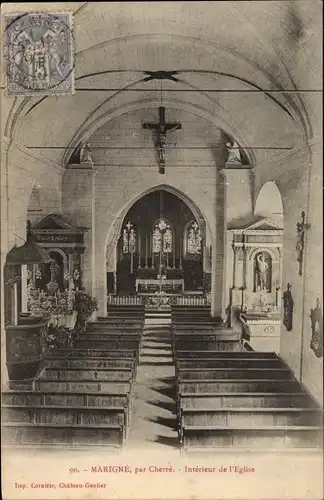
{"type": "Point", "coordinates": [29, 253]}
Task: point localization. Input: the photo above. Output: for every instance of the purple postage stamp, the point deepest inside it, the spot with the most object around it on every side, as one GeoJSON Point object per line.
{"type": "Point", "coordinates": [39, 53]}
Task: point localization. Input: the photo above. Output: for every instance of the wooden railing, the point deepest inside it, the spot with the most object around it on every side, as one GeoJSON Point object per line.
{"type": "Point", "coordinates": [191, 301]}
{"type": "Point", "coordinates": [124, 300]}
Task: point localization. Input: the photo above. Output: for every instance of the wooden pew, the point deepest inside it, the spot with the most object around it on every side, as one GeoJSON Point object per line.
{"type": "Point", "coordinates": [92, 363]}
{"type": "Point", "coordinates": [228, 386]}
{"type": "Point", "coordinates": [193, 363]}
{"type": "Point", "coordinates": [215, 354]}
{"type": "Point", "coordinates": [195, 438]}
{"type": "Point", "coordinates": [199, 345]}
{"type": "Point", "coordinates": [245, 400]}
{"type": "Point", "coordinates": [115, 327]}
{"type": "Point", "coordinates": [70, 415]}
{"type": "Point", "coordinates": [92, 353]}
{"type": "Point", "coordinates": [239, 417]}
{"type": "Point", "coordinates": [62, 435]}
{"type": "Point", "coordinates": [83, 342]}
{"type": "Point", "coordinates": [71, 385]}
{"type": "Point", "coordinates": [110, 336]}
{"type": "Point", "coordinates": [74, 399]}
{"type": "Point", "coordinates": [100, 374]}
{"type": "Point", "coordinates": [282, 373]}
{"type": "Point", "coordinates": [89, 408]}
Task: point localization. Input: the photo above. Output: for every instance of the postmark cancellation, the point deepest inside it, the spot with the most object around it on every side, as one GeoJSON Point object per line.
{"type": "Point", "coordinates": [39, 53]}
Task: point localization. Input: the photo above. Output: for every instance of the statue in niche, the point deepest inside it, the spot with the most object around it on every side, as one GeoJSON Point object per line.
{"type": "Point", "coordinates": [234, 153]}
{"type": "Point", "coordinates": [54, 268]}
{"type": "Point", "coordinates": [85, 153]}
{"type": "Point", "coordinates": [262, 272]}
{"type": "Point", "coordinates": [316, 343]}
{"type": "Point", "coordinates": [288, 305]}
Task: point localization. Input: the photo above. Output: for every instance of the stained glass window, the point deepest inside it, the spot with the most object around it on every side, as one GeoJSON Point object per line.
{"type": "Point", "coordinates": [162, 237]}
{"type": "Point", "coordinates": [167, 241]}
{"type": "Point", "coordinates": [193, 238]}
{"type": "Point", "coordinates": [129, 238]}
{"type": "Point", "coordinates": [157, 236]}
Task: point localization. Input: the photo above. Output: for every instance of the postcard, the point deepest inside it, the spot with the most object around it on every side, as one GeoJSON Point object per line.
{"type": "Point", "coordinates": [161, 250]}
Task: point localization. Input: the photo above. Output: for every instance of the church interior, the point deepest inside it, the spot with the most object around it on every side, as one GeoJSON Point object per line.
{"type": "Point", "coordinates": [161, 234]}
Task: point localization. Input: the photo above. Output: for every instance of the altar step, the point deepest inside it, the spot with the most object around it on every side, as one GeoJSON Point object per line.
{"type": "Point", "coordinates": [156, 317]}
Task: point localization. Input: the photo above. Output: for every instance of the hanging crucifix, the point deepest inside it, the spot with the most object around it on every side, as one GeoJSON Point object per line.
{"type": "Point", "coordinates": [161, 130]}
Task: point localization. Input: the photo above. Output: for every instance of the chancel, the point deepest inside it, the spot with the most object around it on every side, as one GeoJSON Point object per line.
{"type": "Point", "coordinates": [170, 296]}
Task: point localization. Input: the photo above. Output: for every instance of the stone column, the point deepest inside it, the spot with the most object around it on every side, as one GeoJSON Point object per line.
{"type": "Point", "coordinates": [79, 185]}
{"type": "Point", "coordinates": [218, 275]}
{"type": "Point", "coordinates": [23, 289]}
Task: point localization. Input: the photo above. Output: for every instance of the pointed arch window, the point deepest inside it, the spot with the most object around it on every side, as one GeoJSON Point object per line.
{"type": "Point", "coordinates": [162, 237]}
{"type": "Point", "coordinates": [129, 238]}
{"type": "Point", "coordinates": [193, 238]}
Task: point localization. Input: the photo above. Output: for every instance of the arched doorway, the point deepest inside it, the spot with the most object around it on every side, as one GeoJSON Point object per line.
{"type": "Point", "coordinates": [160, 238]}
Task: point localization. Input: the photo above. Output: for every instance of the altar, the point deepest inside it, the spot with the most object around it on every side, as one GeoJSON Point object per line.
{"type": "Point", "coordinates": [153, 285]}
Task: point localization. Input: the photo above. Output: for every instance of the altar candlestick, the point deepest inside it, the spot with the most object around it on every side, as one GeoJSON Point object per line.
{"type": "Point", "coordinates": [139, 250]}
{"type": "Point", "coordinates": [180, 257]}
{"type": "Point", "coordinates": [132, 258]}
{"type": "Point", "coordinates": [146, 251]}
{"type": "Point", "coordinates": [173, 265]}
{"type": "Point", "coordinates": [152, 256]}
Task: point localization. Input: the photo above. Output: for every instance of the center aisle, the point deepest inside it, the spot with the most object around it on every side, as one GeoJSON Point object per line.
{"type": "Point", "coordinates": [154, 422]}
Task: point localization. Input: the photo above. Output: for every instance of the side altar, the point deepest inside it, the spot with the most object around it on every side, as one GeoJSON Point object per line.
{"type": "Point", "coordinates": [255, 294]}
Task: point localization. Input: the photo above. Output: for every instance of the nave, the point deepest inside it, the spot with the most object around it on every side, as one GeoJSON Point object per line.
{"type": "Point", "coordinates": [135, 379]}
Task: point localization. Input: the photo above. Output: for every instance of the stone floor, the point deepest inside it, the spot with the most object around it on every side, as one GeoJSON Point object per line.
{"type": "Point", "coordinates": [154, 414]}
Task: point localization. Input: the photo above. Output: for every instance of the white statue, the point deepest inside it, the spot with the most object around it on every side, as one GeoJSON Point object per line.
{"type": "Point", "coordinates": [262, 271]}
{"type": "Point", "coordinates": [234, 153]}
{"type": "Point", "coordinates": [85, 153]}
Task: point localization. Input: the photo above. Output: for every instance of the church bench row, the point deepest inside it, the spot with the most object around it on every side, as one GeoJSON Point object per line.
{"type": "Point", "coordinates": [92, 353]}
{"type": "Point", "coordinates": [197, 363]}
{"type": "Point", "coordinates": [214, 401]}
{"type": "Point", "coordinates": [194, 323]}
{"type": "Point", "coordinates": [72, 385]}
{"type": "Point", "coordinates": [216, 354]}
{"type": "Point", "coordinates": [67, 415]}
{"type": "Point", "coordinates": [119, 308]}
{"type": "Point", "coordinates": [86, 343]}
{"type": "Point", "coordinates": [185, 374]}
{"type": "Point", "coordinates": [239, 385]}
{"type": "Point", "coordinates": [110, 335]}
{"type": "Point", "coordinates": [115, 325]}
{"type": "Point", "coordinates": [92, 363]}
{"type": "Point", "coordinates": [80, 373]}
{"type": "Point", "coordinates": [253, 438]}
{"type": "Point", "coordinates": [16, 433]}
{"type": "Point", "coordinates": [199, 345]}
{"type": "Point", "coordinates": [194, 334]}
{"type": "Point", "coordinates": [66, 399]}
{"type": "Point", "coordinates": [239, 417]}
{"type": "Point", "coordinates": [121, 318]}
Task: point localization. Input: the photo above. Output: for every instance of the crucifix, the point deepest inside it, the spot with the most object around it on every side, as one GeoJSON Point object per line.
{"type": "Point", "coordinates": [161, 130]}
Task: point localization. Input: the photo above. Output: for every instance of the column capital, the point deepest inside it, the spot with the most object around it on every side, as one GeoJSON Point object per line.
{"type": "Point", "coordinates": [248, 171]}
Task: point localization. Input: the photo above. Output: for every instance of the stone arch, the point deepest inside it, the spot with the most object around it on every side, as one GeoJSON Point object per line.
{"type": "Point", "coordinates": [113, 233]}
{"type": "Point", "coordinates": [269, 202]}
{"type": "Point", "coordinates": [221, 119]}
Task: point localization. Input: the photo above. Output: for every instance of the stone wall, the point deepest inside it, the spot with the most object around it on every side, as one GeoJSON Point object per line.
{"type": "Point", "coordinates": [298, 177]}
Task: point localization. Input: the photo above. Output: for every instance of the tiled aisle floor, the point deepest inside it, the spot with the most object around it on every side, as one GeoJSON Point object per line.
{"type": "Point", "coordinates": [154, 413]}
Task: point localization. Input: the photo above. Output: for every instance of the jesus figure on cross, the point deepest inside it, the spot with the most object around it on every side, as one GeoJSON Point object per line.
{"type": "Point", "coordinates": [161, 130]}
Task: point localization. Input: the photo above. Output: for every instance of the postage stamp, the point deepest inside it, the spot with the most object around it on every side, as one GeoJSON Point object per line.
{"type": "Point", "coordinates": [39, 53]}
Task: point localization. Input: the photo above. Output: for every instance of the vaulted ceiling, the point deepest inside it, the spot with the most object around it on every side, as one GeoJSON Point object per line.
{"type": "Point", "coordinates": [246, 67]}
